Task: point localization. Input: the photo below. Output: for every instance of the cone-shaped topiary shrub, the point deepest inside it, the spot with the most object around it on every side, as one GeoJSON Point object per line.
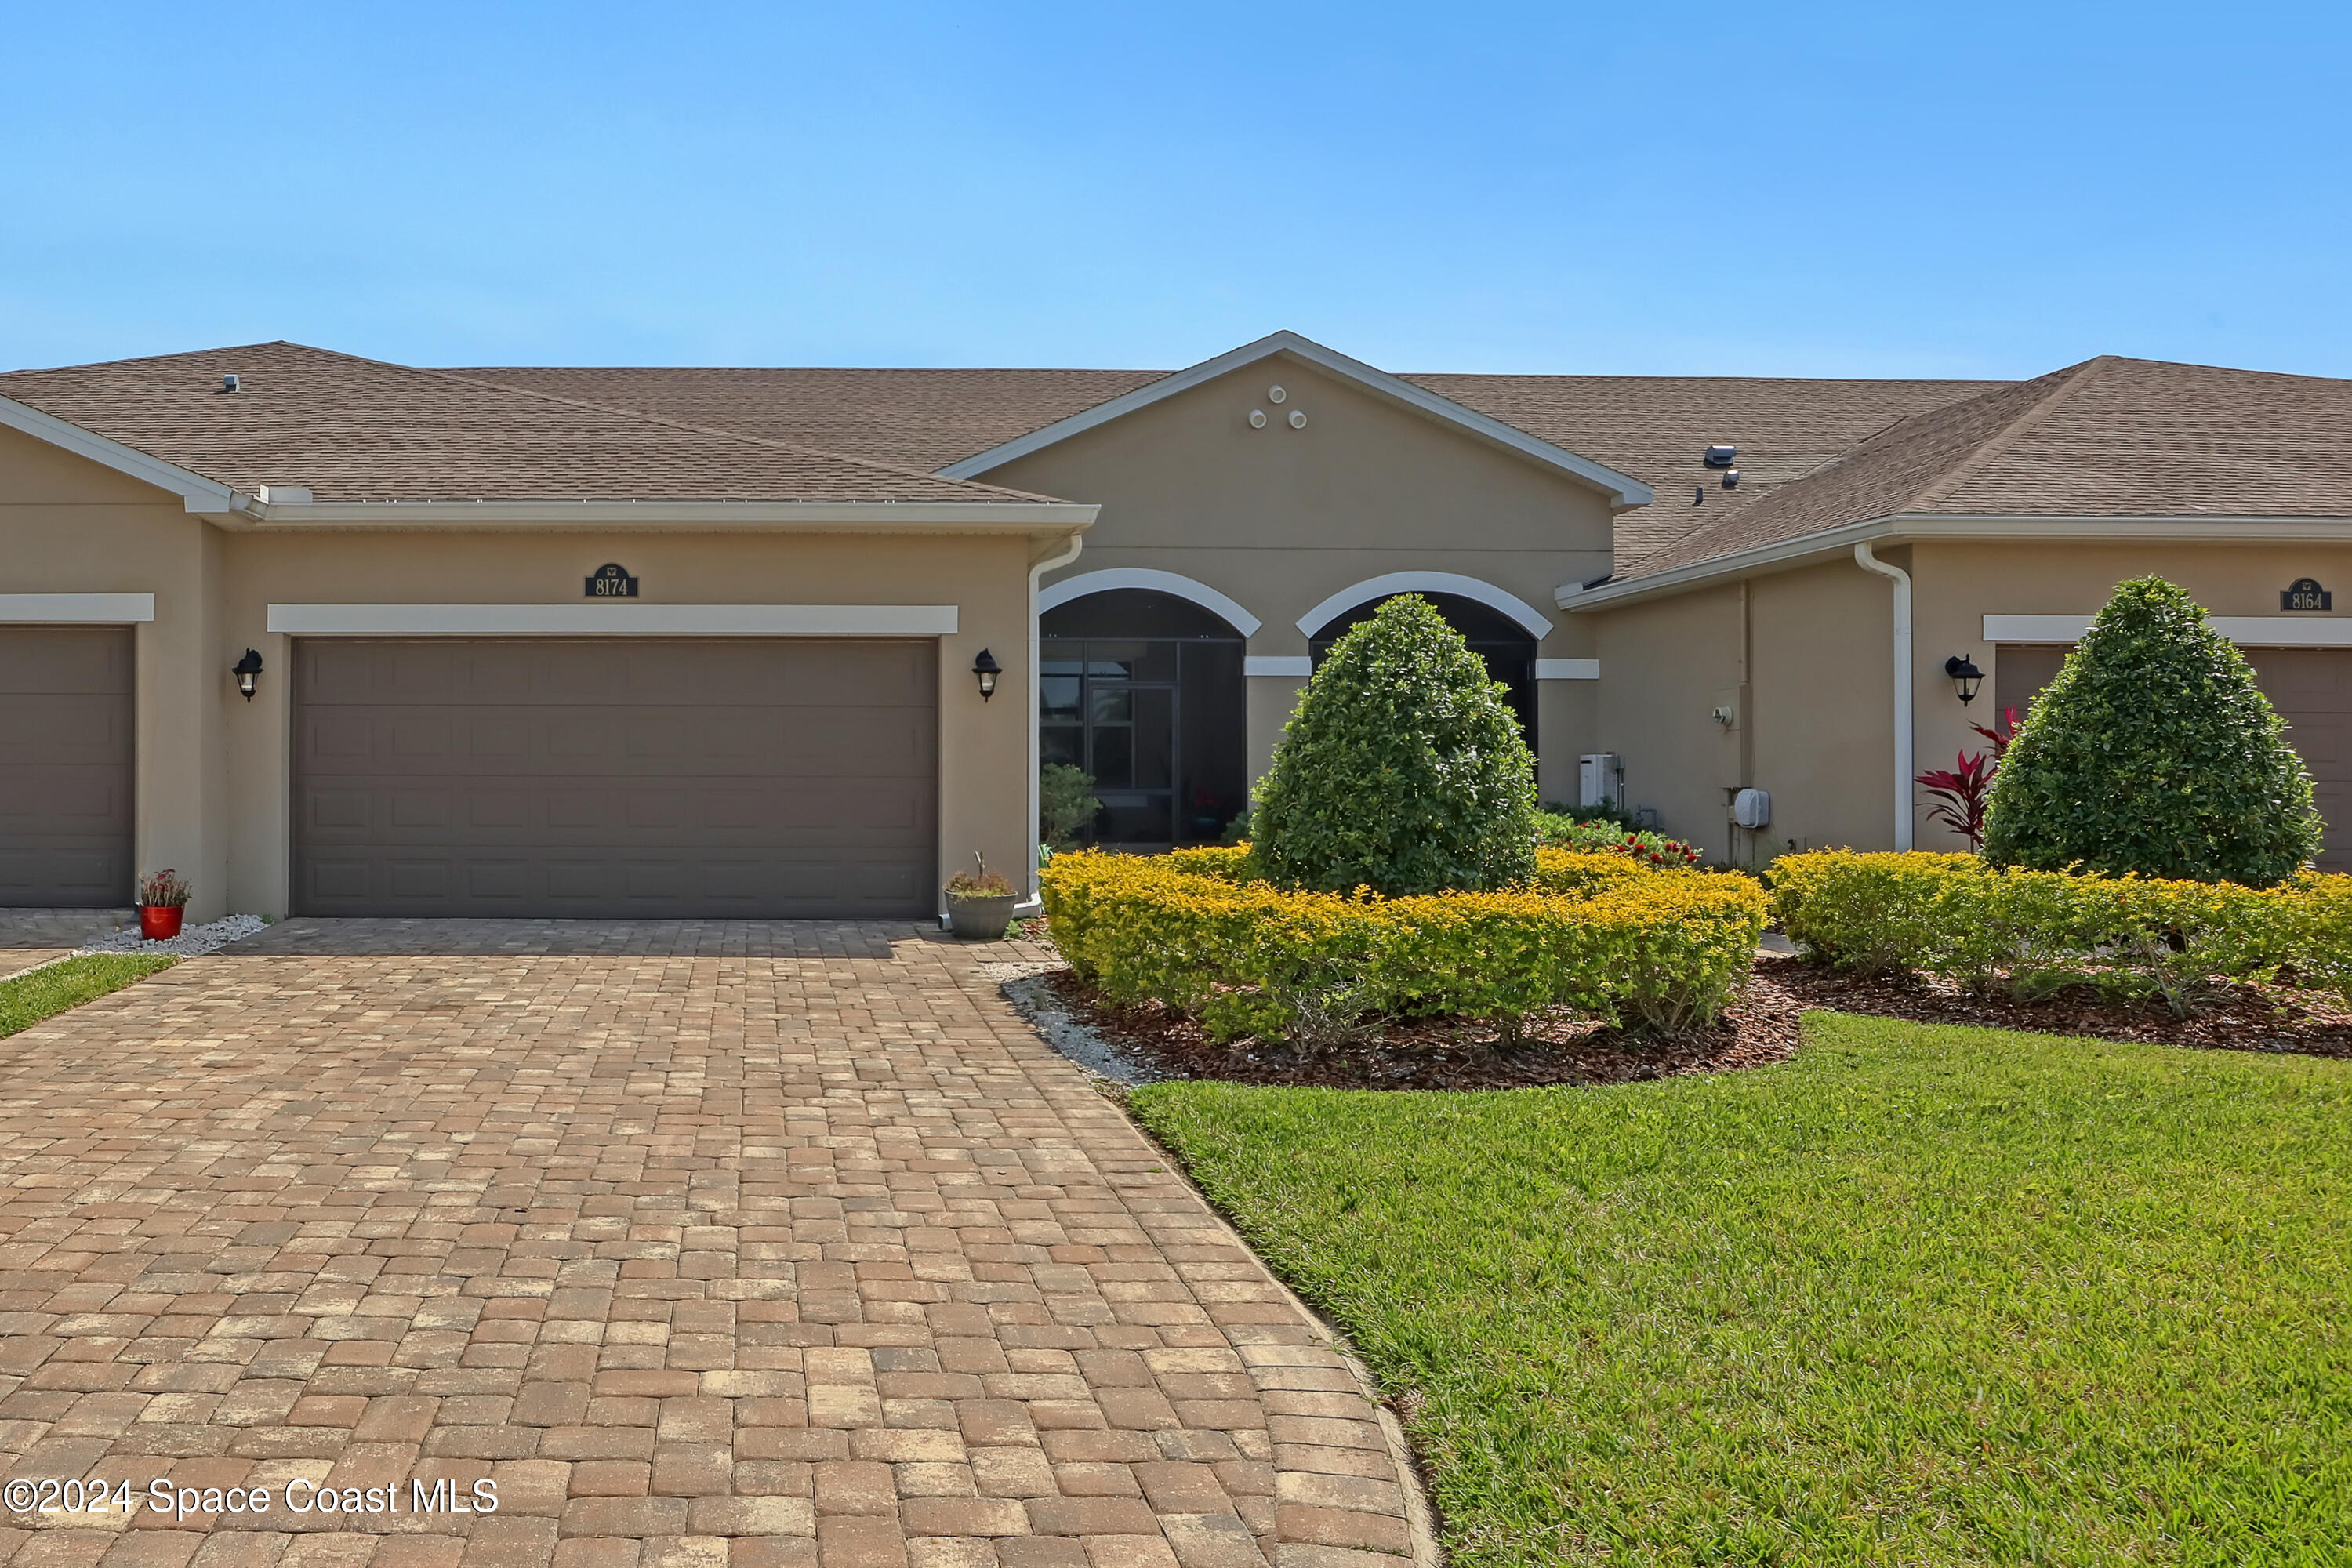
{"type": "Point", "coordinates": [1402, 770]}
{"type": "Point", "coordinates": [2154, 751]}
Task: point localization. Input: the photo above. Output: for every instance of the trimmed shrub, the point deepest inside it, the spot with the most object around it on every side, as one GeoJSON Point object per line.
{"type": "Point", "coordinates": [1990, 928]}
{"type": "Point", "coordinates": [1066, 802]}
{"type": "Point", "coordinates": [1403, 770]}
{"type": "Point", "coordinates": [1194, 930]}
{"type": "Point", "coordinates": [2154, 751]}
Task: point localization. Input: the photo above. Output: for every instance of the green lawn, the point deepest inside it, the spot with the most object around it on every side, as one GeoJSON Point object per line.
{"type": "Point", "coordinates": [1921, 1295]}
{"type": "Point", "coordinates": [26, 999]}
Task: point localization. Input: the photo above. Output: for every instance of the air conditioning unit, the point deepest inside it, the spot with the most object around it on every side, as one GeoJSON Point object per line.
{"type": "Point", "coordinates": [1752, 809]}
{"type": "Point", "coordinates": [1600, 780]}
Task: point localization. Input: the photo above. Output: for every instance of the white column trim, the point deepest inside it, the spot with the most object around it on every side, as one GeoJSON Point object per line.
{"type": "Point", "coordinates": [1538, 626]}
{"type": "Point", "coordinates": [1568, 669]}
{"type": "Point", "coordinates": [76, 609]}
{"type": "Point", "coordinates": [613, 620]}
{"type": "Point", "coordinates": [1171, 583]}
{"type": "Point", "coordinates": [1296, 666]}
{"type": "Point", "coordinates": [2249, 631]}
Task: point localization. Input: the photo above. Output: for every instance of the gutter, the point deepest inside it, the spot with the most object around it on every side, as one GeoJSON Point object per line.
{"type": "Point", "coordinates": [244, 513]}
{"type": "Point", "coordinates": [1903, 761]}
{"type": "Point", "coordinates": [1905, 527]}
{"type": "Point", "coordinates": [1060, 558]}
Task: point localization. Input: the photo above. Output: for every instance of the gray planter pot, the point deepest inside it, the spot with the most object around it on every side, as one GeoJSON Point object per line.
{"type": "Point", "coordinates": [981, 919]}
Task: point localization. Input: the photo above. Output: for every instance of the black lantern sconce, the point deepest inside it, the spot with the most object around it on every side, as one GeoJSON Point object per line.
{"type": "Point", "coordinates": [986, 667]}
{"type": "Point", "coordinates": [1966, 677]}
{"type": "Point", "coordinates": [246, 670]}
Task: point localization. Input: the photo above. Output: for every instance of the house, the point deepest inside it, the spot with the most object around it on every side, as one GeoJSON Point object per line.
{"type": "Point", "coordinates": [338, 636]}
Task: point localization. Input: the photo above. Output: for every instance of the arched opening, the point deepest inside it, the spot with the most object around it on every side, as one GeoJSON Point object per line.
{"type": "Point", "coordinates": [1144, 691]}
{"type": "Point", "coordinates": [1502, 642]}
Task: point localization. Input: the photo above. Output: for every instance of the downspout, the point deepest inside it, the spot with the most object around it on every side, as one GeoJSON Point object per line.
{"type": "Point", "coordinates": [1903, 759]}
{"type": "Point", "coordinates": [1062, 557]}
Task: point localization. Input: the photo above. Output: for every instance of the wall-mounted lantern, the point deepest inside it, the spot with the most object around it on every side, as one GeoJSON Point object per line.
{"type": "Point", "coordinates": [1966, 677]}
{"type": "Point", "coordinates": [986, 667]}
{"type": "Point", "coordinates": [247, 670]}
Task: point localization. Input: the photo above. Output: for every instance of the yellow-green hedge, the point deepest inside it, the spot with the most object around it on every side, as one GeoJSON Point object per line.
{"type": "Point", "coordinates": [1987, 927]}
{"type": "Point", "coordinates": [1596, 933]}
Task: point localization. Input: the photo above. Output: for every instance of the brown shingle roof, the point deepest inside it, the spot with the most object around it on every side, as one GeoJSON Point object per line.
{"type": "Point", "coordinates": [2108, 438]}
{"type": "Point", "coordinates": [1658, 427]}
{"type": "Point", "coordinates": [1654, 427]}
{"type": "Point", "coordinates": [360, 430]}
{"type": "Point", "coordinates": [921, 419]}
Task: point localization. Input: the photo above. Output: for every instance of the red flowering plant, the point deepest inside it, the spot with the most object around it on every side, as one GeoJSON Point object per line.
{"type": "Point", "coordinates": [1960, 793]}
{"type": "Point", "coordinates": [1603, 836]}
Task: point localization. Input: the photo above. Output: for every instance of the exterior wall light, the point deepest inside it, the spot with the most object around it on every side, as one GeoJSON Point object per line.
{"type": "Point", "coordinates": [1966, 677]}
{"type": "Point", "coordinates": [986, 667]}
{"type": "Point", "coordinates": [246, 670]}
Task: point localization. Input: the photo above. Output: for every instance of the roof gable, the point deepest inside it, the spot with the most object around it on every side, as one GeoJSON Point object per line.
{"type": "Point", "coordinates": [1622, 490]}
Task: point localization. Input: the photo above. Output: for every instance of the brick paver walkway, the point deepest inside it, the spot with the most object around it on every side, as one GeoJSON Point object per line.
{"type": "Point", "coordinates": [713, 1245]}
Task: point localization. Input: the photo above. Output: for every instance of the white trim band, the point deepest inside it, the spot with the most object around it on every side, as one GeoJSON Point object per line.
{"type": "Point", "coordinates": [1225, 609]}
{"type": "Point", "coordinates": [1568, 669]}
{"type": "Point", "coordinates": [613, 620]}
{"type": "Point", "coordinates": [75, 609]}
{"type": "Point", "coordinates": [1381, 587]}
{"type": "Point", "coordinates": [1294, 666]}
{"type": "Point", "coordinates": [2249, 631]}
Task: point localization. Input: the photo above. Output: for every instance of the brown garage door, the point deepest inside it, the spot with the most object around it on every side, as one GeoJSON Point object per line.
{"type": "Point", "coordinates": [753, 778]}
{"type": "Point", "coordinates": [65, 766]}
{"type": "Point", "coordinates": [2310, 687]}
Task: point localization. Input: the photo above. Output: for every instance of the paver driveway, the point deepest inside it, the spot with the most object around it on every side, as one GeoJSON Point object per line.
{"type": "Point", "coordinates": [28, 937]}
{"type": "Point", "coordinates": [710, 1244]}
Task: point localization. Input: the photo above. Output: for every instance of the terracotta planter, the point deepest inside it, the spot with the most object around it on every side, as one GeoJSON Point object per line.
{"type": "Point", "coordinates": [161, 923]}
{"type": "Point", "coordinates": [982, 918]}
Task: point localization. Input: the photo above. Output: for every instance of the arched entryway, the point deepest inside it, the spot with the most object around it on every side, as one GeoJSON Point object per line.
{"type": "Point", "coordinates": [1144, 691]}
{"type": "Point", "coordinates": [1502, 642]}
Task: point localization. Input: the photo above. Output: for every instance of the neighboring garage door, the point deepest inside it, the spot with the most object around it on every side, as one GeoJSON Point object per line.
{"type": "Point", "coordinates": [65, 766]}
{"type": "Point", "coordinates": [733, 778]}
{"type": "Point", "coordinates": [2310, 687]}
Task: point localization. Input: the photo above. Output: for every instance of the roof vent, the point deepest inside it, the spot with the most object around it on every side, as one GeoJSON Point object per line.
{"type": "Point", "coordinates": [230, 383]}
{"type": "Point", "coordinates": [1731, 479]}
{"type": "Point", "coordinates": [1722, 456]}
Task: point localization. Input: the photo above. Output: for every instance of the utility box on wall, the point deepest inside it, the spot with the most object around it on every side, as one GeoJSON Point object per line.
{"type": "Point", "coordinates": [1600, 780]}
{"type": "Point", "coordinates": [1752, 809]}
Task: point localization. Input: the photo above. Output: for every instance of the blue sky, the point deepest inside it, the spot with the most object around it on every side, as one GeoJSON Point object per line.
{"type": "Point", "coordinates": [1980, 189]}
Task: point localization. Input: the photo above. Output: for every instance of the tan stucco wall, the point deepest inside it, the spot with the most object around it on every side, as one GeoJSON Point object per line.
{"type": "Point", "coordinates": [1957, 584]}
{"type": "Point", "coordinates": [213, 770]}
{"type": "Point", "coordinates": [1662, 663]}
{"type": "Point", "coordinates": [1810, 698]}
{"type": "Point", "coordinates": [1816, 705]}
{"type": "Point", "coordinates": [1279, 520]}
{"type": "Point", "coordinates": [1822, 713]}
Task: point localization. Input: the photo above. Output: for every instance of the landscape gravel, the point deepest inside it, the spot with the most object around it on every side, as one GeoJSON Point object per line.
{"type": "Point", "coordinates": [191, 940]}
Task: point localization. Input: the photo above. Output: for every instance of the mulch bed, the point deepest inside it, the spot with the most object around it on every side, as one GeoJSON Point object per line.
{"type": "Point", "coordinates": [1760, 1027]}
{"type": "Point", "coordinates": [2236, 1018]}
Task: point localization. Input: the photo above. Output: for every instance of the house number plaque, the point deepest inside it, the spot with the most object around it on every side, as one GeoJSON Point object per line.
{"type": "Point", "coordinates": [2306, 594]}
{"type": "Point", "coordinates": [612, 581]}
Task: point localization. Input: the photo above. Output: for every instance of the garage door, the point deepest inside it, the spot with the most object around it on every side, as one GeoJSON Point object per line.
{"type": "Point", "coordinates": [753, 778]}
{"type": "Point", "coordinates": [65, 766]}
{"type": "Point", "coordinates": [2310, 687]}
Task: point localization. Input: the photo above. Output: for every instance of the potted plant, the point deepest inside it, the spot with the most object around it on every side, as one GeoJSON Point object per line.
{"type": "Point", "coordinates": [980, 902]}
{"type": "Point", "coordinates": [163, 904]}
